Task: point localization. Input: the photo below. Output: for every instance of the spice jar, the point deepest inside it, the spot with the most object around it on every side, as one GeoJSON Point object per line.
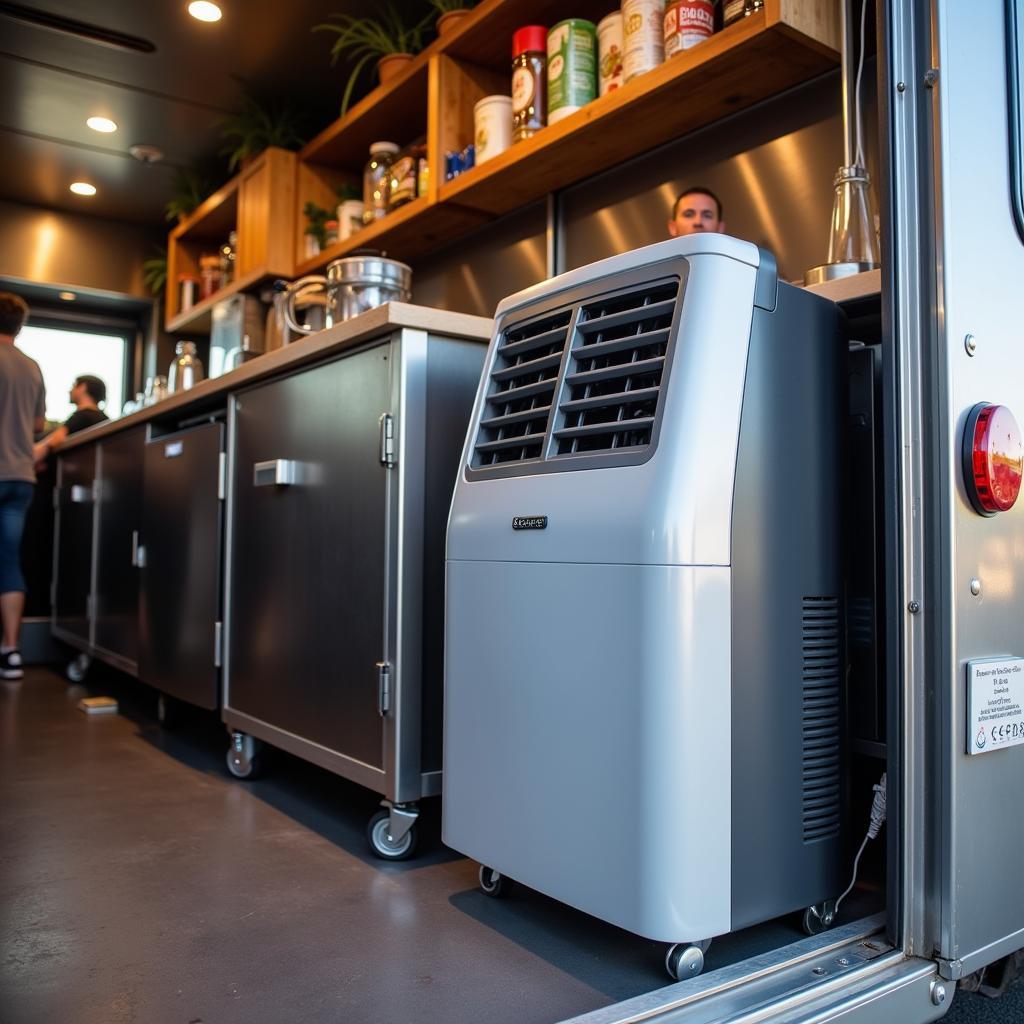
{"type": "Point", "coordinates": [643, 36]}
{"type": "Point", "coordinates": [188, 291]}
{"type": "Point", "coordinates": [529, 81]}
{"type": "Point", "coordinates": [687, 23]}
{"type": "Point", "coordinates": [572, 67]}
{"type": "Point", "coordinates": [209, 274]}
{"type": "Point", "coordinates": [375, 181]}
{"type": "Point", "coordinates": [403, 175]}
{"type": "Point", "coordinates": [733, 10]}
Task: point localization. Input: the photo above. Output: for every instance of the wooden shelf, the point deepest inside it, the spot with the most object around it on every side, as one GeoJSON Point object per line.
{"type": "Point", "coordinates": [412, 230]}
{"type": "Point", "coordinates": [750, 61]}
{"type": "Point", "coordinates": [197, 320]}
{"type": "Point", "coordinates": [259, 204]}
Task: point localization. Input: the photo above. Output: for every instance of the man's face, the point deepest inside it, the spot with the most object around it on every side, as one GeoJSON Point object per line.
{"type": "Point", "coordinates": [695, 212]}
{"type": "Point", "coordinates": [77, 393]}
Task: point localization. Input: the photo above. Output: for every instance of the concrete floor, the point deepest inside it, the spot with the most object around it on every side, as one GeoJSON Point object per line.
{"type": "Point", "coordinates": [139, 883]}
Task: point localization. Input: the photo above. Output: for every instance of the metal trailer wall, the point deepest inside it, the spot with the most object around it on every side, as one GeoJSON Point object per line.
{"type": "Point", "coordinates": [772, 166]}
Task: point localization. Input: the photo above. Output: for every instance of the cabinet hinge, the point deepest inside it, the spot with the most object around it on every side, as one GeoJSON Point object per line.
{"type": "Point", "coordinates": [383, 687]}
{"type": "Point", "coordinates": [387, 440]}
{"type": "Point", "coordinates": [222, 476]}
{"type": "Point", "coordinates": [218, 644]}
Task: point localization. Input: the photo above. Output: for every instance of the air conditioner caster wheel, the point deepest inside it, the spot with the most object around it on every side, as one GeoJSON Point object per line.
{"type": "Point", "coordinates": [493, 884]}
{"type": "Point", "coordinates": [820, 917]}
{"type": "Point", "coordinates": [686, 959]}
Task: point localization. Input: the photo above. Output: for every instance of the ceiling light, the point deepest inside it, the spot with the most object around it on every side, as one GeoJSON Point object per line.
{"type": "Point", "coordinates": [83, 188]}
{"type": "Point", "coordinates": [101, 124]}
{"type": "Point", "coordinates": [66, 296]}
{"type": "Point", "coordinates": [203, 10]}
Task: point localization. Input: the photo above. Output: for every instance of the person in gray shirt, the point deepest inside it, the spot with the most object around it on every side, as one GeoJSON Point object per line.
{"type": "Point", "coordinates": [22, 416]}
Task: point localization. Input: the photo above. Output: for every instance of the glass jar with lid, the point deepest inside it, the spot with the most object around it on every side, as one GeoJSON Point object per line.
{"type": "Point", "coordinates": [375, 180]}
{"type": "Point", "coordinates": [186, 370]}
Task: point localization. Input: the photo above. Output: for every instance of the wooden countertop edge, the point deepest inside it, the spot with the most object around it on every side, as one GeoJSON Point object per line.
{"type": "Point", "coordinates": [366, 327]}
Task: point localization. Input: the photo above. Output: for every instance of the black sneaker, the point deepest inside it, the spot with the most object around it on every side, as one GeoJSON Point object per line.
{"type": "Point", "coordinates": [10, 665]}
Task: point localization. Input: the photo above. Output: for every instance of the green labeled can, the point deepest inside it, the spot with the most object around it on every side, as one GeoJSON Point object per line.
{"type": "Point", "coordinates": [572, 67]}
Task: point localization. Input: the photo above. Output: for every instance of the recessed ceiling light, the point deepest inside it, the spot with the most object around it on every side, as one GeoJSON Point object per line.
{"type": "Point", "coordinates": [82, 188]}
{"type": "Point", "coordinates": [101, 124]}
{"type": "Point", "coordinates": [203, 10]}
{"type": "Point", "coordinates": [67, 296]}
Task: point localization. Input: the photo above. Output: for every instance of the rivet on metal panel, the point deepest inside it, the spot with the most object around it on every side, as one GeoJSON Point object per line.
{"type": "Point", "coordinates": [819, 971]}
{"type": "Point", "coordinates": [901, 86]}
{"type": "Point", "coordinates": [913, 607]}
{"type": "Point", "coordinates": [931, 76]}
{"type": "Point", "coordinates": [975, 586]}
{"type": "Point", "coordinates": [938, 993]}
{"type": "Point", "coordinates": [843, 961]}
{"type": "Point", "coordinates": [970, 344]}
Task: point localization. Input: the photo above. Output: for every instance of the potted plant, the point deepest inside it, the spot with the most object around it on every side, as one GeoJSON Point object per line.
{"type": "Point", "coordinates": [154, 272]}
{"type": "Point", "coordinates": [450, 13]}
{"type": "Point", "coordinates": [257, 126]}
{"type": "Point", "coordinates": [316, 228]}
{"type": "Point", "coordinates": [386, 39]}
{"type": "Point", "coordinates": [189, 187]}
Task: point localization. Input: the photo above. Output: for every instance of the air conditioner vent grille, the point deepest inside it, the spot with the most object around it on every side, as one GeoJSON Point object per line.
{"type": "Point", "coordinates": [521, 391]}
{"type": "Point", "coordinates": [821, 725]}
{"type": "Point", "coordinates": [615, 370]}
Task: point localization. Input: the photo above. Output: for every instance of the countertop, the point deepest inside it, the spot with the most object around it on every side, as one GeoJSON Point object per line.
{"type": "Point", "coordinates": [369, 325]}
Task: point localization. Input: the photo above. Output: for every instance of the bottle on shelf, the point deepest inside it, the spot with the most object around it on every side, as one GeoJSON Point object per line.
{"type": "Point", "coordinates": [187, 369]}
{"type": "Point", "coordinates": [529, 81]}
{"type": "Point", "coordinates": [375, 180]}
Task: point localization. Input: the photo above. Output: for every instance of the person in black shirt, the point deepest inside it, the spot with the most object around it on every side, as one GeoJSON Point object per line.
{"type": "Point", "coordinates": [86, 393]}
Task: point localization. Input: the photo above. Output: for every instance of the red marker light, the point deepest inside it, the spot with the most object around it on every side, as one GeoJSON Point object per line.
{"type": "Point", "coordinates": [993, 457]}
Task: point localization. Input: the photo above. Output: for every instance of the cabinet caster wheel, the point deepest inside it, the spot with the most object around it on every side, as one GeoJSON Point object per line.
{"type": "Point", "coordinates": [686, 959]}
{"type": "Point", "coordinates": [167, 711]}
{"type": "Point", "coordinates": [78, 668]}
{"type": "Point", "coordinates": [382, 842]}
{"type": "Point", "coordinates": [243, 757]}
{"type": "Point", "coordinates": [493, 884]}
{"type": "Point", "coordinates": [820, 917]}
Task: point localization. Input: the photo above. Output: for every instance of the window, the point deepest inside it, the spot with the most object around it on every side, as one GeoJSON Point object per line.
{"type": "Point", "coordinates": [64, 354]}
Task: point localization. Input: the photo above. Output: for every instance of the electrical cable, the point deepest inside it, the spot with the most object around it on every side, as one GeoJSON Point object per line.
{"type": "Point", "coordinates": [877, 821]}
{"type": "Point", "coordinates": [858, 156]}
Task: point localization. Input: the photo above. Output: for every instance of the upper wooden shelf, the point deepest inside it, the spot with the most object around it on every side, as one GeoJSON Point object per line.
{"type": "Point", "coordinates": [750, 61]}
{"type": "Point", "coordinates": [213, 218]}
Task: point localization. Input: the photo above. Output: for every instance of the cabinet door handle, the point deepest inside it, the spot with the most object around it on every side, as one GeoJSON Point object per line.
{"type": "Point", "coordinates": [80, 494]}
{"type": "Point", "coordinates": [138, 551]}
{"type": "Point", "coordinates": [275, 473]}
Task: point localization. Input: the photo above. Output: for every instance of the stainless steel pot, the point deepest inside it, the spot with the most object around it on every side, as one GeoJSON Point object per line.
{"type": "Point", "coordinates": [353, 285]}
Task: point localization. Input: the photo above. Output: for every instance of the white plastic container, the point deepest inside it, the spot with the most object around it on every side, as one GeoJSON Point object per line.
{"type": "Point", "coordinates": [350, 218]}
{"type": "Point", "coordinates": [492, 126]}
{"type": "Point", "coordinates": [611, 70]}
{"type": "Point", "coordinates": [643, 35]}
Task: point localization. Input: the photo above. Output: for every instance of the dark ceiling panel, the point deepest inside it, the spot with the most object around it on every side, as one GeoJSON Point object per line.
{"type": "Point", "coordinates": [172, 98]}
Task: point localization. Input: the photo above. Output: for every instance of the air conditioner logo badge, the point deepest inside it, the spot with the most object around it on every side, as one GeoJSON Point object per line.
{"type": "Point", "coordinates": [529, 522]}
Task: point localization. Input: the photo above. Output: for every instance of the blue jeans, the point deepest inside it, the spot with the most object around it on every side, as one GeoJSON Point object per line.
{"type": "Point", "coordinates": [15, 498]}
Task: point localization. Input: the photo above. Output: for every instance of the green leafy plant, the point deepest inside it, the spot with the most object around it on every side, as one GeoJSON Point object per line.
{"type": "Point", "coordinates": [317, 217]}
{"type": "Point", "coordinates": [366, 39]}
{"type": "Point", "coordinates": [257, 126]}
{"type": "Point", "coordinates": [154, 272]}
{"type": "Point", "coordinates": [447, 6]}
{"type": "Point", "coordinates": [189, 187]}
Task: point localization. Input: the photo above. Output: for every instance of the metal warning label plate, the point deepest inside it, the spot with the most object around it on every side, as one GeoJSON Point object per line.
{"type": "Point", "coordinates": [995, 704]}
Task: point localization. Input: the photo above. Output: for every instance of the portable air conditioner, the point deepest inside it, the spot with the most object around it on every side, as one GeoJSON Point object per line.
{"type": "Point", "coordinates": [643, 644]}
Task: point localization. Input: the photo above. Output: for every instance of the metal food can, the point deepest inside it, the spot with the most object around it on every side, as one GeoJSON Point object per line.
{"type": "Point", "coordinates": [643, 35]}
{"type": "Point", "coordinates": [687, 23]}
{"type": "Point", "coordinates": [610, 68]}
{"type": "Point", "coordinates": [572, 67]}
{"type": "Point", "coordinates": [492, 126]}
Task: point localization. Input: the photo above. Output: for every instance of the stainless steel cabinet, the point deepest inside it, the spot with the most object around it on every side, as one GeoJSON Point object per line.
{"type": "Point", "coordinates": [341, 476]}
{"type": "Point", "coordinates": [116, 578]}
{"type": "Point", "coordinates": [73, 546]}
{"type": "Point", "coordinates": [179, 558]}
